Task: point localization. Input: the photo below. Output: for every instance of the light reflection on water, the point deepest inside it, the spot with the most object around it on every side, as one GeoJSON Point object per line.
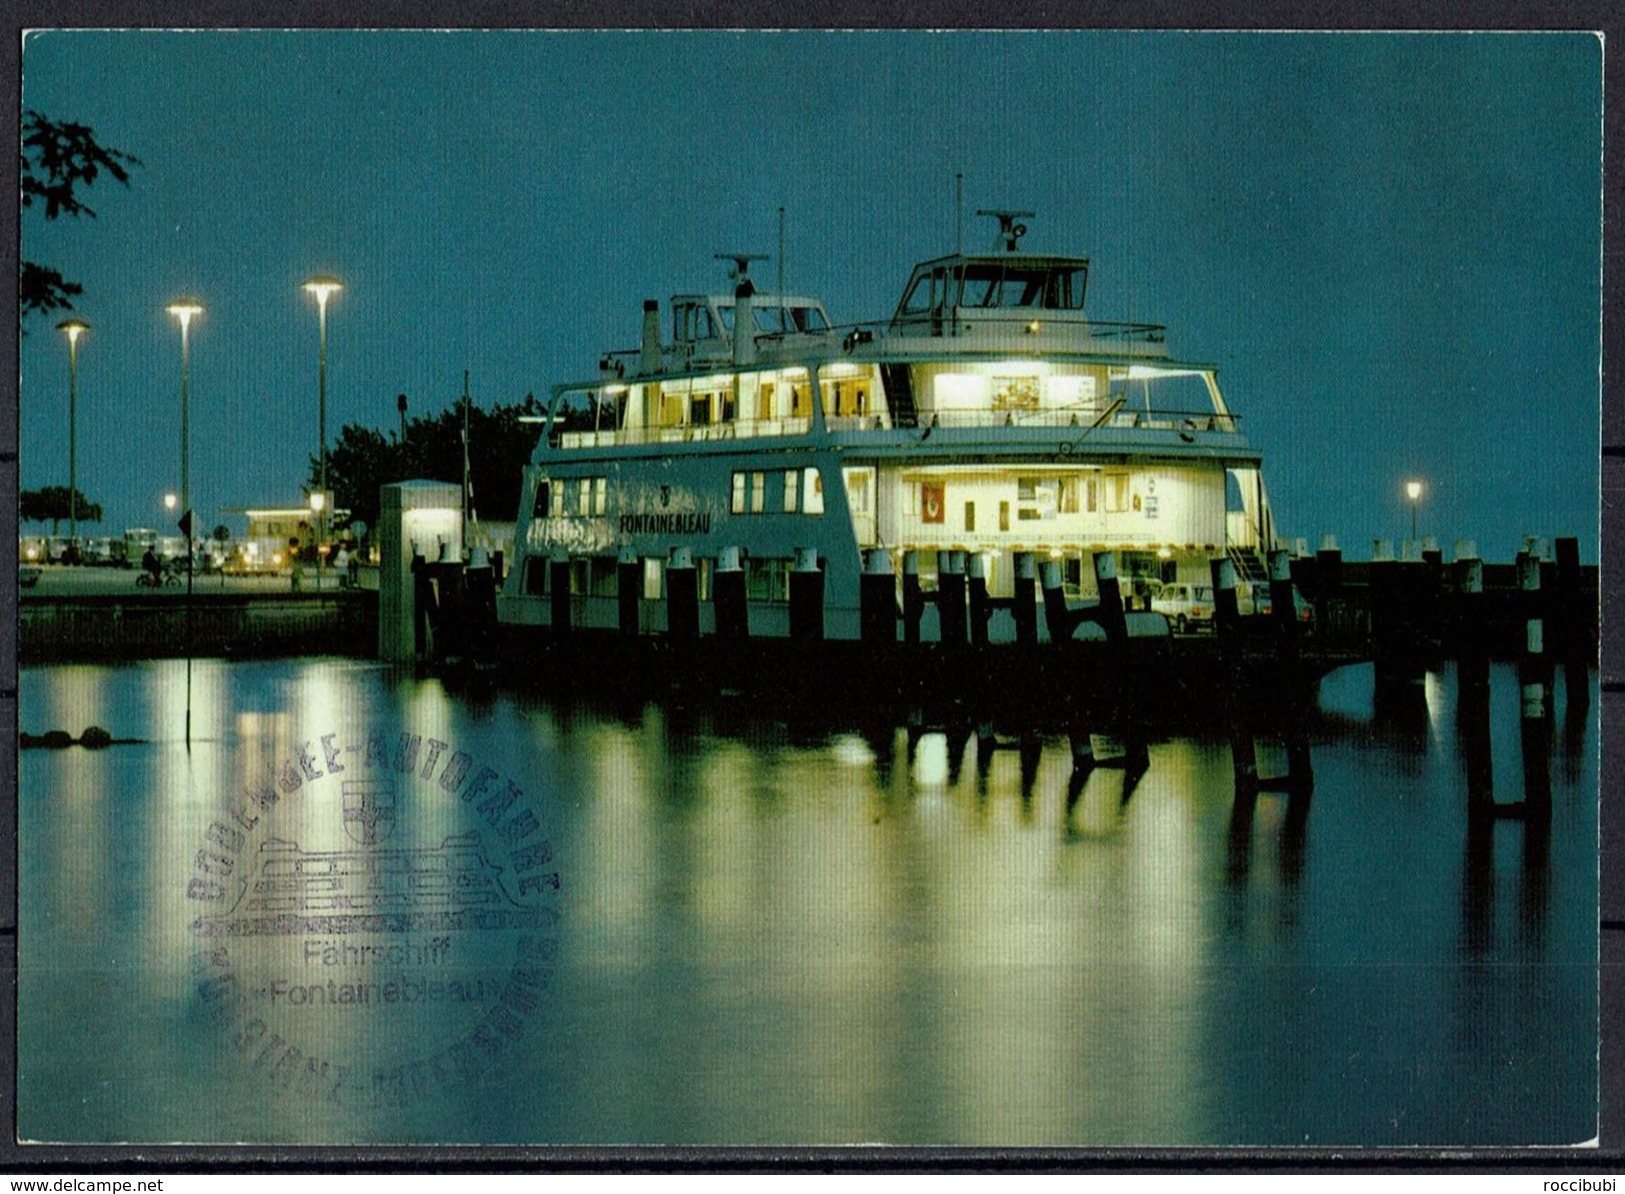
{"type": "Point", "coordinates": [792, 934]}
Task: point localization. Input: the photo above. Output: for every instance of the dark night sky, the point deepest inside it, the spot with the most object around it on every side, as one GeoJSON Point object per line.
{"type": "Point", "coordinates": [1390, 244]}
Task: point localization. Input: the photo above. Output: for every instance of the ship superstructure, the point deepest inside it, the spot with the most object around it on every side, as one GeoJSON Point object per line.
{"type": "Point", "coordinates": [989, 419]}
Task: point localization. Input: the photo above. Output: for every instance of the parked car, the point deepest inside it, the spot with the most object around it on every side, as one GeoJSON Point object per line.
{"type": "Point", "coordinates": [1187, 607]}
{"type": "Point", "coordinates": [1264, 606]}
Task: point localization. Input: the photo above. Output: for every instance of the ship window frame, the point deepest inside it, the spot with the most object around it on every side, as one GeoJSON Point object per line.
{"type": "Point", "coordinates": [792, 489]}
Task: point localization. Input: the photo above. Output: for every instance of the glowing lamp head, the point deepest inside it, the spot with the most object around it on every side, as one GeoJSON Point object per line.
{"type": "Point", "coordinates": [73, 328]}
{"type": "Point", "coordinates": [317, 501]}
{"type": "Point", "coordinates": [323, 287]}
{"type": "Point", "coordinates": [184, 310]}
{"type": "Point", "coordinates": [1413, 489]}
{"type": "Point", "coordinates": [169, 501]}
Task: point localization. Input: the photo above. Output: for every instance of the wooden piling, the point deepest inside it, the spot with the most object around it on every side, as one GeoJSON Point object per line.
{"type": "Point", "coordinates": [1227, 628]}
{"type": "Point", "coordinates": [913, 598]}
{"type": "Point", "coordinates": [1023, 602]}
{"type": "Point", "coordinates": [1057, 618]}
{"type": "Point", "coordinates": [628, 591]}
{"type": "Point", "coordinates": [728, 597]}
{"type": "Point", "coordinates": [951, 597]}
{"type": "Point", "coordinates": [1328, 569]}
{"type": "Point", "coordinates": [976, 591]}
{"type": "Point", "coordinates": [1469, 634]}
{"type": "Point", "coordinates": [1573, 622]}
{"type": "Point", "coordinates": [682, 596]}
{"type": "Point", "coordinates": [807, 597]}
{"type": "Point", "coordinates": [558, 586]}
{"type": "Point", "coordinates": [877, 598]}
{"type": "Point", "coordinates": [1534, 680]}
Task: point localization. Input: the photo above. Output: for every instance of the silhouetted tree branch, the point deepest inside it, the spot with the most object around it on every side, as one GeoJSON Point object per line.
{"type": "Point", "coordinates": [59, 160]}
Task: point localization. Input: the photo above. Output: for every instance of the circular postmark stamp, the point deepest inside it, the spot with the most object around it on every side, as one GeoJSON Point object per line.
{"type": "Point", "coordinates": [374, 918]}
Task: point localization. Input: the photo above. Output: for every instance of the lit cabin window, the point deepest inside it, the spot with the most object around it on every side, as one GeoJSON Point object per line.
{"type": "Point", "coordinates": [758, 492]}
{"type": "Point", "coordinates": [813, 487]}
{"type": "Point", "coordinates": [584, 506]}
{"type": "Point", "coordinates": [600, 495]}
{"type": "Point", "coordinates": [737, 503]}
{"type": "Point", "coordinates": [792, 486]}
{"type": "Point", "coordinates": [653, 570]}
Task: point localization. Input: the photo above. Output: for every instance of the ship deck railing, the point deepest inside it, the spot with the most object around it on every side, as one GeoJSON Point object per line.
{"type": "Point", "coordinates": [1189, 422]}
{"type": "Point", "coordinates": [1031, 327]}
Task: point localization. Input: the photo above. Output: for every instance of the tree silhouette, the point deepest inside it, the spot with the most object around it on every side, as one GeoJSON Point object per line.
{"type": "Point", "coordinates": [51, 505]}
{"type": "Point", "coordinates": [58, 162]}
{"type": "Point", "coordinates": [363, 459]}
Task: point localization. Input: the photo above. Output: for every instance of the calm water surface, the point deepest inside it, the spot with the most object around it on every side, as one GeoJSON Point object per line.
{"type": "Point", "coordinates": [768, 933]}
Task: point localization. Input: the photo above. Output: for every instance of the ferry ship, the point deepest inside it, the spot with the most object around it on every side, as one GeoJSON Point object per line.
{"type": "Point", "coordinates": [987, 432]}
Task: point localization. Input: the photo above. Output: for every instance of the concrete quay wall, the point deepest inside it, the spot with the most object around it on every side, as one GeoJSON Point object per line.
{"type": "Point", "coordinates": [229, 625]}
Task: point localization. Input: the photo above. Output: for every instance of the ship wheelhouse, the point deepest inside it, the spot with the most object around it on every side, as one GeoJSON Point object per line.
{"type": "Point", "coordinates": [988, 415]}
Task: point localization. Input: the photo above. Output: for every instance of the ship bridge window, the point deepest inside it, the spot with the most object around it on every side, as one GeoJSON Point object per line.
{"type": "Point", "coordinates": [775, 320]}
{"type": "Point", "coordinates": [692, 322]}
{"type": "Point", "coordinates": [989, 285]}
{"type": "Point", "coordinates": [1183, 392]}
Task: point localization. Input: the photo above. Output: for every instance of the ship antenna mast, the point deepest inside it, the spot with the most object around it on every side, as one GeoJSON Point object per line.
{"type": "Point", "coordinates": [1010, 232]}
{"type": "Point", "coordinates": [959, 214]}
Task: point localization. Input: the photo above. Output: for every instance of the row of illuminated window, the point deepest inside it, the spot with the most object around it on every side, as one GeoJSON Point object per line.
{"type": "Point", "coordinates": [776, 491]}
{"type": "Point", "coordinates": [1036, 498]}
{"type": "Point", "coordinates": [599, 576]}
{"type": "Point", "coordinates": [574, 497]}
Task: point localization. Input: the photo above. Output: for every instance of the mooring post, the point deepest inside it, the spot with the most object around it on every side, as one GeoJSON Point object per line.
{"type": "Point", "coordinates": [877, 598]}
{"type": "Point", "coordinates": [1128, 682]}
{"type": "Point", "coordinates": [807, 597]}
{"type": "Point", "coordinates": [1227, 627]}
{"type": "Point", "coordinates": [1534, 679]}
{"type": "Point", "coordinates": [1328, 568]}
{"type": "Point", "coordinates": [682, 595]}
{"type": "Point", "coordinates": [976, 588]}
{"type": "Point", "coordinates": [1574, 622]}
{"type": "Point", "coordinates": [1110, 613]}
{"type": "Point", "coordinates": [1057, 618]}
{"type": "Point", "coordinates": [1024, 597]}
{"type": "Point", "coordinates": [481, 603]}
{"type": "Point", "coordinates": [1470, 632]}
{"type": "Point", "coordinates": [1284, 603]}
{"type": "Point", "coordinates": [913, 598]}
{"type": "Point", "coordinates": [1293, 699]}
{"type": "Point", "coordinates": [728, 596]}
{"type": "Point", "coordinates": [1395, 640]}
{"type": "Point", "coordinates": [422, 607]}
{"type": "Point", "coordinates": [628, 590]}
{"type": "Point", "coordinates": [558, 586]}
{"type": "Point", "coordinates": [951, 597]}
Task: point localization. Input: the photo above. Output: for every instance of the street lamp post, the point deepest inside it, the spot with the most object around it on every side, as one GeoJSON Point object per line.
{"type": "Point", "coordinates": [184, 310]}
{"type": "Point", "coordinates": [73, 329]}
{"type": "Point", "coordinates": [1413, 490]}
{"type": "Point", "coordinates": [318, 502]}
{"type": "Point", "coordinates": [323, 288]}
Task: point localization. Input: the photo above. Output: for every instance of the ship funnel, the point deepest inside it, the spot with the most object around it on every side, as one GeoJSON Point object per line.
{"type": "Point", "coordinates": [744, 324]}
{"type": "Point", "coordinates": [649, 352]}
